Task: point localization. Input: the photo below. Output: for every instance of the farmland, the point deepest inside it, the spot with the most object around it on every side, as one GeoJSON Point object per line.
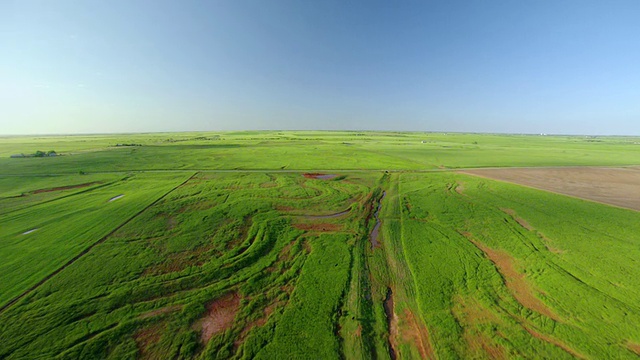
{"type": "Point", "coordinates": [327, 245]}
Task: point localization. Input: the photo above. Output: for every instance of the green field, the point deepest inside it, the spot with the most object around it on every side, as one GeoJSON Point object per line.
{"type": "Point", "coordinates": [215, 246]}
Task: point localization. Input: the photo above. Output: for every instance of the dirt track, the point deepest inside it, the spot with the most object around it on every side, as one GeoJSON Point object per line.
{"type": "Point", "coordinates": [614, 186]}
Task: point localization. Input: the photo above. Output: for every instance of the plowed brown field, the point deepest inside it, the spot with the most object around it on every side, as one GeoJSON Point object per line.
{"type": "Point", "coordinates": [613, 186]}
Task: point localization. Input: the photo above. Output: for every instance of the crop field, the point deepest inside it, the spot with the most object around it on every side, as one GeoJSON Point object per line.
{"type": "Point", "coordinates": [318, 245]}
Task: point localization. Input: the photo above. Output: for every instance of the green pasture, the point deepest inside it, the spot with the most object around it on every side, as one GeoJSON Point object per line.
{"type": "Point", "coordinates": [567, 250]}
{"type": "Point", "coordinates": [309, 151]}
{"type": "Point", "coordinates": [38, 239]}
{"type": "Point", "coordinates": [215, 246]}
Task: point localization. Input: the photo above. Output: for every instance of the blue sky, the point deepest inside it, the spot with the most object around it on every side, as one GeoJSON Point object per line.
{"type": "Point", "coordinates": [570, 67]}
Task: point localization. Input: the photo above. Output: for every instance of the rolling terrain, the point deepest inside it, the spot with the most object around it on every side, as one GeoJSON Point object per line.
{"type": "Point", "coordinates": [353, 245]}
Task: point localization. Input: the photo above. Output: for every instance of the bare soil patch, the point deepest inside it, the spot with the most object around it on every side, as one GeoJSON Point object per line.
{"type": "Point", "coordinates": [555, 342]}
{"type": "Point", "coordinates": [219, 317]}
{"type": "Point", "coordinates": [613, 186]}
{"type": "Point", "coordinates": [319, 176]}
{"type": "Point", "coordinates": [414, 332]}
{"type": "Point", "coordinates": [324, 227]}
{"type": "Point", "coordinates": [494, 351]}
{"type": "Point", "coordinates": [471, 311]}
{"type": "Point", "coordinates": [522, 222]}
{"type": "Point", "coordinates": [515, 281]}
{"type": "Point", "coordinates": [146, 338]}
{"type": "Point", "coordinates": [473, 314]}
{"type": "Point", "coordinates": [634, 347]}
{"type": "Point", "coordinates": [482, 343]}
{"type": "Point", "coordinates": [329, 216]}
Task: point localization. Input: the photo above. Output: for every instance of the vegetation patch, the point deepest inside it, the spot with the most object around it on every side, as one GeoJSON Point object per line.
{"type": "Point", "coordinates": [247, 259]}
{"type": "Point", "coordinates": [161, 311]}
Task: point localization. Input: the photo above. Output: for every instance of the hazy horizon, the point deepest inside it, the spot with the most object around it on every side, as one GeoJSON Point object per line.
{"type": "Point", "coordinates": [95, 67]}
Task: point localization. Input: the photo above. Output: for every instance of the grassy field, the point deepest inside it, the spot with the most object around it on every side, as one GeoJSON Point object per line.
{"type": "Point", "coordinates": [229, 245]}
{"type": "Point", "coordinates": [309, 151]}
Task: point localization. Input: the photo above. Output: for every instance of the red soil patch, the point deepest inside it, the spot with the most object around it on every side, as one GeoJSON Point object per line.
{"type": "Point", "coordinates": [613, 186]}
{"type": "Point", "coordinates": [307, 246]}
{"type": "Point", "coordinates": [471, 311]}
{"type": "Point", "coordinates": [494, 351]}
{"type": "Point", "coordinates": [520, 221]}
{"type": "Point", "coordinates": [329, 216]}
{"type": "Point", "coordinates": [358, 332]}
{"type": "Point", "coordinates": [555, 342]}
{"type": "Point", "coordinates": [472, 314]}
{"type": "Point", "coordinates": [634, 347]}
{"type": "Point", "coordinates": [319, 176]}
{"type": "Point", "coordinates": [288, 289]}
{"type": "Point", "coordinates": [414, 332]}
{"type": "Point", "coordinates": [68, 187]}
{"type": "Point", "coordinates": [219, 317]}
{"type": "Point", "coordinates": [481, 343]}
{"type": "Point", "coordinates": [318, 227]}
{"type": "Point", "coordinates": [514, 280]}
{"type": "Point", "coordinates": [460, 189]}
{"type": "Point", "coordinates": [146, 338]}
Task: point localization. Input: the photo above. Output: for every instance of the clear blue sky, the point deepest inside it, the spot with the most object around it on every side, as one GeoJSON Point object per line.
{"type": "Point", "coordinates": [551, 66]}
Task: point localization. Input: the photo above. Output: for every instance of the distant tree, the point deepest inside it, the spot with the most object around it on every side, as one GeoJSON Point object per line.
{"type": "Point", "coordinates": [39, 153]}
{"type": "Point", "coordinates": [51, 153]}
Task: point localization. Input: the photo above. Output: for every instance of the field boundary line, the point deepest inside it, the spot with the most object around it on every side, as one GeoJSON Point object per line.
{"type": "Point", "coordinates": [65, 196]}
{"type": "Point", "coordinates": [294, 171]}
{"type": "Point", "coordinates": [89, 248]}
